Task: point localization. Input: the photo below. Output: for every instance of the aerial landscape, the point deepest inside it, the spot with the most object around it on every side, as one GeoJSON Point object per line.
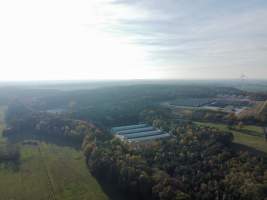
{"type": "Point", "coordinates": [133, 100]}
{"type": "Point", "coordinates": [162, 140]}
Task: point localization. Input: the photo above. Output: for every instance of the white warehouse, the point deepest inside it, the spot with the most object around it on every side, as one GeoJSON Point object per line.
{"type": "Point", "coordinates": [138, 133]}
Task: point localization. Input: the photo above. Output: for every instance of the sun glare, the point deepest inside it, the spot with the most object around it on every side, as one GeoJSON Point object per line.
{"type": "Point", "coordinates": [65, 40]}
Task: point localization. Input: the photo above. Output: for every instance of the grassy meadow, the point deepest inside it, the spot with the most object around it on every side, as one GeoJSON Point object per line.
{"type": "Point", "coordinates": [248, 135]}
{"type": "Point", "coordinates": [48, 172]}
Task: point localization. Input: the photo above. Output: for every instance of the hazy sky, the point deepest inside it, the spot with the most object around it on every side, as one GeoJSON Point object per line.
{"type": "Point", "coordinates": [132, 39]}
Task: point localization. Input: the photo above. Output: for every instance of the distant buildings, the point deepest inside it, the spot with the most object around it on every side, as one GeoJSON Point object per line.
{"type": "Point", "coordinates": [138, 133]}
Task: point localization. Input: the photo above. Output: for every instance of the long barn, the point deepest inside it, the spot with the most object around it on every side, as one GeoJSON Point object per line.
{"type": "Point", "coordinates": [138, 133]}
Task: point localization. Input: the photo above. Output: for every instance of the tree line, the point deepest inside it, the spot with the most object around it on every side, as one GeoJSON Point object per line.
{"type": "Point", "coordinates": [196, 163]}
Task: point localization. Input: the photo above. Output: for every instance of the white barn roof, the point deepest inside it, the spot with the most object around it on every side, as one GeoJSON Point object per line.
{"type": "Point", "coordinates": [121, 128]}
{"type": "Point", "coordinates": [149, 138]}
{"type": "Point", "coordinates": [142, 134]}
{"type": "Point", "coordinates": [138, 132]}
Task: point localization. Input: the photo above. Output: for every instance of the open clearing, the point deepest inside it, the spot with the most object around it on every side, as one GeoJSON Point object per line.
{"type": "Point", "coordinates": [254, 139]}
{"type": "Point", "coordinates": [48, 172]}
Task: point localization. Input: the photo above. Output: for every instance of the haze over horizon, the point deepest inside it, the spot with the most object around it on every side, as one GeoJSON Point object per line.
{"type": "Point", "coordinates": [132, 39]}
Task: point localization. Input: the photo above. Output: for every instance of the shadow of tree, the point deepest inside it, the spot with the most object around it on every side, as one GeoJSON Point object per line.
{"type": "Point", "coordinates": [114, 193]}
{"type": "Point", "coordinates": [53, 139]}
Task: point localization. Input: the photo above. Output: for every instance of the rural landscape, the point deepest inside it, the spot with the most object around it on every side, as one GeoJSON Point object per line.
{"type": "Point", "coordinates": [133, 100]}
{"type": "Point", "coordinates": [62, 144]}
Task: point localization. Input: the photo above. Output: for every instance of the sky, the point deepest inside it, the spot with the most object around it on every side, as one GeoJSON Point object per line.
{"type": "Point", "coordinates": [132, 39]}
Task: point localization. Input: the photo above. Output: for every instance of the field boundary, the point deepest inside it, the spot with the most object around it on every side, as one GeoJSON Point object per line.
{"type": "Point", "coordinates": [52, 193]}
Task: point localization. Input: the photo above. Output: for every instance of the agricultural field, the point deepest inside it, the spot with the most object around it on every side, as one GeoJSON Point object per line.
{"type": "Point", "coordinates": [248, 135]}
{"type": "Point", "coordinates": [256, 111]}
{"type": "Point", "coordinates": [49, 172]}
{"type": "Point", "coordinates": [191, 102]}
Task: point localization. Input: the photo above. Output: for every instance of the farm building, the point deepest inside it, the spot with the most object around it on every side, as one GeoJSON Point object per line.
{"type": "Point", "coordinates": [122, 128]}
{"type": "Point", "coordinates": [138, 133]}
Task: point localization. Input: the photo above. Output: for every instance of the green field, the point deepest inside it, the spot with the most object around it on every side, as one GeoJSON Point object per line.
{"type": "Point", "coordinates": [241, 136]}
{"type": "Point", "coordinates": [190, 102]}
{"type": "Point", "coordinates": [48, 172]}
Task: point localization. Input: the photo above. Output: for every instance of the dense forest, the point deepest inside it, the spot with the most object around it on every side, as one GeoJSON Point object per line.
{"type": "Point", "coordinates": [22, 120]}
{"type": "Point", "coordinates": [111, 106]}
{"type": "Point", "coordinates": [9, 155]}
{"type": "Point", "coordinates": [197, 163]}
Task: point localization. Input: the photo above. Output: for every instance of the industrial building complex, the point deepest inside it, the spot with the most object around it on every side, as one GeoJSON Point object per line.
{"type": "Point", "coordinates": [138, 133]}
